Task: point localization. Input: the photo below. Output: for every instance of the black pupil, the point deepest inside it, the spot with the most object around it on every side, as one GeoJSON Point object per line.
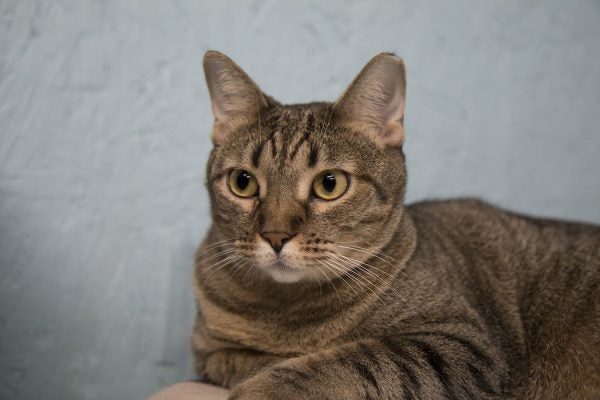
{"type": "Point", "coordinates": [243, 180]}
{"type": "Point", "coordinates": [329, 182]}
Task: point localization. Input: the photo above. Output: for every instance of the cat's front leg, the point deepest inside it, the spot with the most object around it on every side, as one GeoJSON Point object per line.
{"type": "Point", "coordinates": [228, 367]}
{"type": "Point", "coordinates": [427, 367]}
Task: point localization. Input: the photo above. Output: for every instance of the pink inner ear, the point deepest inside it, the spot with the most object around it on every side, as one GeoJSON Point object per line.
{"type": "Point", "coordinates": [393, 135]}
{"type": "Point", "coordinates": [393, 128]}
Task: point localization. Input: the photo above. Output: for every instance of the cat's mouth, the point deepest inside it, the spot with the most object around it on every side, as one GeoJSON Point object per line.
{"type": "Point", "coordinates": [284, 271]}
{"type": "Point", "coordinates": [283, 265]}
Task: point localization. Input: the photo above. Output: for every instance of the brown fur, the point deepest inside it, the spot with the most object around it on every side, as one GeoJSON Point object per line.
{"type": "Point", "coordinates": [371, 299]}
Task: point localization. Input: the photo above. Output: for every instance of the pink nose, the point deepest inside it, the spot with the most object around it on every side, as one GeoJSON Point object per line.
{"type": "Point", "coordinates": [277, 239]}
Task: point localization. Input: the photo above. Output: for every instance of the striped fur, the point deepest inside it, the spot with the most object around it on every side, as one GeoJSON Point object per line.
{"type": "Point", "coordinates": [372, 299]}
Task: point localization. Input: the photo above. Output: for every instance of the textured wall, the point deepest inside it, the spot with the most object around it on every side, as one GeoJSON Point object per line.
{"type": "Point", "coordinates": [104, 122]}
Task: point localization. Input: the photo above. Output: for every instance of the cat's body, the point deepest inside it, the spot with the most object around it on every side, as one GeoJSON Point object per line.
{"type": "Point", "coordinates": [438, 300]}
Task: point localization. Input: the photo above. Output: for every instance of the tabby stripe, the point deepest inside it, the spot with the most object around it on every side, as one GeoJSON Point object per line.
{"type": "Point", "coordinates": [313, 156]}
{"type": "Point", "coordinates": [310, 123]}
{"type": "Point", "coordinates": [439, 365]}
{"type": "Point", "coordinates": [272, 141]}
{"type": "Point", "coordinates": [293, 373]}
{"type": "Point", "coordinates": [216, 298]}
{"type": "Point", "coordinates": [465, 343]}
{"type": "Point", "coordinates": [481, 381]}
{"type": "Point", "coordinates": [366, 373]}
{"type": "Point", "coordinates": [257, 153]}
{"type": "Point", "coordinates": [296, 148]}
{"type": "Point", "coordinates": [371, 220]}
{"type": "Point", "coordinates": [413, 386]}
{"type": "Point", "coordinates": [305, 208]}
{"type": "Point", "coordinates": [473, 348]}
{"type": "Point", "coordinates": [400, 358]}
{"type": "Point", "coordinates": [378, 188]}
{"type": "Point", "coordinates": [368, 352]}
{"type": "Point", "coordinates": [251, 312]}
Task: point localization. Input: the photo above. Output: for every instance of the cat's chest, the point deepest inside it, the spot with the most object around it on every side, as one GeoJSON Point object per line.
{"type": "Point", "coordinates": [278, 335]}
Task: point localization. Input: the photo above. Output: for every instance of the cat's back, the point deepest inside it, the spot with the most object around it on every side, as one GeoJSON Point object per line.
{"type": "Point", "coordinates": [468, 220]}
{"type": "Point", "coordinates": [540, 258]}
{"type": "Point", "coordinates": [538, 279]}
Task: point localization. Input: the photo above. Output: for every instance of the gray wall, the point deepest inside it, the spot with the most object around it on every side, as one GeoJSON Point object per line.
{"type": "Point", "coordinates": [104, 126]}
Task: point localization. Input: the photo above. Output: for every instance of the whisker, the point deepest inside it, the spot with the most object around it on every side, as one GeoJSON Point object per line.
{"type": "Point", "coordinates": [217, 244]}
{"type": "Point", "coordinates": [358, 262]}
{"type": "Point", "coordinates": [362, 281]}
{"type": "Point", "coordinates": [378, 252]}
{"type": "Point", "coordinates": [335, 268]}
{"type": "Point", "coordinates": [332, 285]}
{"type": "Point", "coordinates": [363, 267]}
{"type": "Point", "coordinates": [397, 270]}
{"type": "Point", "coordinates": [405, 281]}
{"type": "Point", "coordinates": [248, 270]}
{"type": "Point", "coordinates": [224, 263]}
{"type": "Point", "coordinates": [220, 253]}
{"type": "Point", "coordinates": [331, 269]}
{"type": "Point", "coordinates": [238, 266]}
{"type": "Point", "coordinates": [369, 253]}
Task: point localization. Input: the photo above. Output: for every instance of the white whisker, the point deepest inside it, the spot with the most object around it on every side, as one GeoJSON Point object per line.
{"type": "Point", "coordinates": [362, 281]}
{"type": "Point", "coordinates": [340, 274]}
{"type": "Point", "coordinates": [365, 268]}
{"type": "Point", "coordinates": [223, 263]}
{"type": "Point", "coordinates": [332, 284]}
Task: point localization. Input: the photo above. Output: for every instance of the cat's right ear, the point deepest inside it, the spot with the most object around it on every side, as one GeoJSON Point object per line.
{"type": "Point", "coordinates": [236, 100]}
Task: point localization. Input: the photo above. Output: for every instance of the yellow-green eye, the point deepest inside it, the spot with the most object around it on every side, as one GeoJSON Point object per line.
{"type": "Point", "coordinates": [329, 185]}
{"type": "Point", "coordinates": [242, 183]}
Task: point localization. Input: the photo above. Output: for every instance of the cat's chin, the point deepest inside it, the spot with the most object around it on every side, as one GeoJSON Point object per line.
{"type": "Point", "coordinates": [283, 273]}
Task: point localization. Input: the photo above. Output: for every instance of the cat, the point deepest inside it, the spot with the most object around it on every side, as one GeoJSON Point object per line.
{"type": "Point", "coordinates": [315, 281]}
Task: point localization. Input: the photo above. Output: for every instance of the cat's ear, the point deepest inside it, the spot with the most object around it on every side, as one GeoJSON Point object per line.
{"type": "Point", "coordinates": [236, 100]}
{"type": "Point", "coordinates": [374, 102]}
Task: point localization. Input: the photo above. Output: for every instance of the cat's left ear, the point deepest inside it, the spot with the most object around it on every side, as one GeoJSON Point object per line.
{"type": "Point", "coordinates": [236, 100]}
{"type": "Point", "coordinates": [374, 101]}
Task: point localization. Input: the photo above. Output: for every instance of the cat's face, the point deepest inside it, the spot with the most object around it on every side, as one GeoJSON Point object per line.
{"type": "Point", "coordinates": [304, 192]}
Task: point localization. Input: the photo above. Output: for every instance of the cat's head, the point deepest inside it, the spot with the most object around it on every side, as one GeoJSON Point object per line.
{"type": "Point", "coordinates": [306, 191]}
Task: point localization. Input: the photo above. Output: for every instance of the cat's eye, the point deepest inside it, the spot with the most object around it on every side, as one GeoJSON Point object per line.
{"type": "Point", "coordinates": [242, 183]}
{"type": "Point", "coordinates": [329, 185]}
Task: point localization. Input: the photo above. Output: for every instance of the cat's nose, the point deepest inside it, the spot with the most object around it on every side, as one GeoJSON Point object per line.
{"type": "Point", "coordinates": [277, 239]}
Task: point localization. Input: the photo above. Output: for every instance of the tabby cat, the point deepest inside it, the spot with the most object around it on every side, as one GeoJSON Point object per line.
{"type": "Point", "coordinates": [315, 281]}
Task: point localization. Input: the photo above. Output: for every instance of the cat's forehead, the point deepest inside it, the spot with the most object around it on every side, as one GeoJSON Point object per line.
{"type": "Point", "coordinates": [288, 119]}
{"type": "Point", "coordinates": [284, 137]}
{"type": "Point", "coordinates": [291, 140]}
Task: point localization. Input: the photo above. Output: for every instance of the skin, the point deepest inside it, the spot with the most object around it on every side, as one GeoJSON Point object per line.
{"type": "Point", "coordinates": [372, 299]}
